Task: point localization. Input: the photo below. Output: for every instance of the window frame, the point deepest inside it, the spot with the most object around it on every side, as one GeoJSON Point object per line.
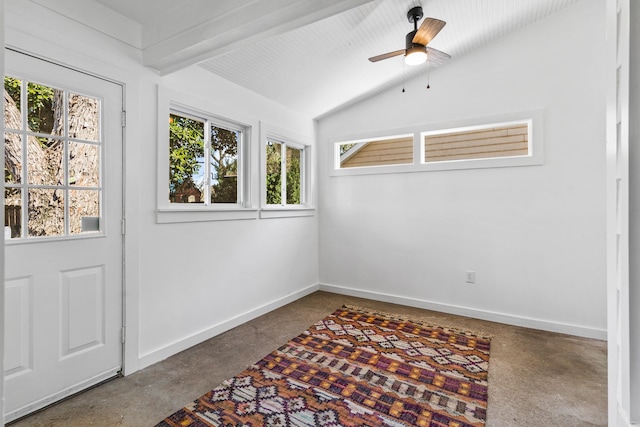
{"type": "Point", "coordinates": [534, 118]}
{"type": "Point", "coordinates": [170, 102]}
{"type": "Point", "coordinates": [287, 139]}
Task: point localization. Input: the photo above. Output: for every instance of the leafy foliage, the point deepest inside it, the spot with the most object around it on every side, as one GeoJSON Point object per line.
{"type": "Point", "coordinates": [293, 176]}
{"type": "Point", "coordinates": [186, 159]}
{"type": "Point", "coordinates": [274, 173]}
{"type": "Point", "coordinates": [13, 86]}
{"type": "Point", "coordinates": [224, 165]}
{"type": "Point", "coordinates": [40, 100]}
{"type": "Point", "coordinates": [186, 151]}
{"type": "Point", "coordinates": [346, 147]}
{"type": "Point", "coordinates": [42, 105]}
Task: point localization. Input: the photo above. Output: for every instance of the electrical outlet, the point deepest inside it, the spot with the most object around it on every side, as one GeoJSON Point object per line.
{"type": "Point", "coordinates": [471, 276]}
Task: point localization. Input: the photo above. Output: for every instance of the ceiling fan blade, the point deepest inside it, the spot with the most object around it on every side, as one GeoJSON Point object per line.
{"type": "Point", "coordinates": [437, 57]}
{"type": "Point", "coordinates": [386, 55]}
{"type": "Point", "coordinates": [429, 28]}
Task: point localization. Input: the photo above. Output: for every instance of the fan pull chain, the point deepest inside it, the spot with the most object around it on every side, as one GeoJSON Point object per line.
{"type": "Point", "coordinates": [403, 66]}
{"type": "Point", "coordinates": [428, 77]}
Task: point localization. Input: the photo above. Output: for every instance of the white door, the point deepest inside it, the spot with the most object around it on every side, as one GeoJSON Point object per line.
{"type": "Point", "coordinates": [63, 216]}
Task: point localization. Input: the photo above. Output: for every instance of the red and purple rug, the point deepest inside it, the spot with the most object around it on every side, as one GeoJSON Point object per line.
{"type": "Point", "coordinates": [356, 367]}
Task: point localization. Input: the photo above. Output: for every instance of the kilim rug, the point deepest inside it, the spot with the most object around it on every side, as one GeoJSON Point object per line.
{"type": "Point", "coordinates": [356, 367]}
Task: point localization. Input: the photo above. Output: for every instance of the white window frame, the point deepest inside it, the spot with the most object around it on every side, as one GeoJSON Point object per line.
{"type": "Point", "coordinates": [535, 119]}
{"type": "Point", "coordinates": [170, 102]}
{"type": "Point", "coordinates": [269, 132]}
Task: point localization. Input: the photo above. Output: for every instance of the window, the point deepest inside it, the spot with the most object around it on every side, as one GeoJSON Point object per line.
{"type": "Point", "coordinates": [204, 164]}
{"type": "Point", "coordinates": [285, 169]}
{"type": "Point", "coordinates": [285, 174]}
{"type": "Point", "coordinates": [204, 160]}
{"type": "Point", "coordinates": [53, 156]}
{"type": "Point", "coordinates": [477, 142]}
{"type": "Point", "coordinates": [503, 141]}
{"type": "Point", "coordinates": [396, 150]}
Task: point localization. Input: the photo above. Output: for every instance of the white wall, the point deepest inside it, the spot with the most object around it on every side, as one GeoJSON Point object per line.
{"type": "Point", "coordinates": [535, 236]}
{"type": "Point", "coordinates": [186, 281]}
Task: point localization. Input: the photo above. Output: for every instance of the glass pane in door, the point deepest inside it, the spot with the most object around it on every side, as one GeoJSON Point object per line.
{"type": "Point", "coordinates": [46, 212]}
{"type": "Point", "coordinates": [84, 166]}
{"type": "Point", "coordinates": [46, 109]}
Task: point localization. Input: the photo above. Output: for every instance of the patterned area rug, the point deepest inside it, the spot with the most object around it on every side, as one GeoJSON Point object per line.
{"type": "Point", "coordinates": [356, 367]}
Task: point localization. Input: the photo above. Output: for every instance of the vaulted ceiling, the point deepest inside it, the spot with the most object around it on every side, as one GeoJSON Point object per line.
{"type": "Point", "coordinates": [310, 55]}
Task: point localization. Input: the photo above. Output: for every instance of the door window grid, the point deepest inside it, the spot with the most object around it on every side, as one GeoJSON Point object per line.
{"type": "Point", "coordinates": [53, 161]}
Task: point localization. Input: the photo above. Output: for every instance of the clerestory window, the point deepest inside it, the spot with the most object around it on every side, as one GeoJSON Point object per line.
{"type": "Point", "coordinates": [505, 141]}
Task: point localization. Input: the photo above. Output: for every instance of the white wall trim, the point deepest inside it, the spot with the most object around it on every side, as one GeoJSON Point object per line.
{"type": "Point", "coordinates": [621, 419]}
{"type": "Point", "coordinates": [162, 353]}
{"type": "Point", "coordinates": [509, 319]}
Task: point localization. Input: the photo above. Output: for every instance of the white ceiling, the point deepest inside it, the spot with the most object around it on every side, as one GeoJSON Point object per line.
{"type": "Point", "coordinates": [312, 55]}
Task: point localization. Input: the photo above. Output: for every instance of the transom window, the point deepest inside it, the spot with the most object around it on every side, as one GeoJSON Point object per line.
{"type": "Point", "coordinates": [477, 142]}
{"type": "Point", "coordinates": [395, 150]}
{"type": "Point", "coordinates": [504, 141]}
{"type": "Point", "coordinates": [53, 150]}
{"type": "Point", "coordinates": [204, 160]}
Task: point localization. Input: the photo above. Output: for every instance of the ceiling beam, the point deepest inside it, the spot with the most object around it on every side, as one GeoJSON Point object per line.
{"type": "Point", "coordinates": [237, 28]}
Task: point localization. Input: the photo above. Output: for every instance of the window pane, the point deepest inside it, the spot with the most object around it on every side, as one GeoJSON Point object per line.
{"type": "Point", "coordinates": [274, 172]}
{"type": "Point", "coordinates": [224, 165]}
{"type": "Point", "coordinates": [44, 161]}
{"type": "Point", "coordinates": [46, 212]}
{"type": "Point", "coordinates": [481, 143]}
{"type": "Point", "coordinates": [380, 152]}
{"type": "Point", "coordinates": [83, 204]}
{"type": "Point", "coordinates": [12, 114]}
{"type": "Point", "coordinates": [12, 158]}
{"type": "Point", "coordinates": [84, 118]}
{"type": "Point", "coordinates": [294, 175]}
{"type": "Point", "coordinates": [186, 160]}
{"type": "Point", "coordinates": [84, 165]}
{"type": "Point", "coordinates": [46, 111]}
{"type": "Point", "coordinates": [13, 212]}
{"type": "Point", "coordinates": [346, 147]}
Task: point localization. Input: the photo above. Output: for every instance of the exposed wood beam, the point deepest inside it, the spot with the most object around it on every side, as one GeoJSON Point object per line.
{"type": "Point", "coordinates": [240, 27]}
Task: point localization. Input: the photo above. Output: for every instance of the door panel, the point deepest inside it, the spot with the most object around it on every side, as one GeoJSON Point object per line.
{"type": "Point", "coordinates": [63, 260]}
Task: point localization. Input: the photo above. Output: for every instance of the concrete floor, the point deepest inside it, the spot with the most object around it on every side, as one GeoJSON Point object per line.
{"type": "Point", "coordinates": [536, 378]}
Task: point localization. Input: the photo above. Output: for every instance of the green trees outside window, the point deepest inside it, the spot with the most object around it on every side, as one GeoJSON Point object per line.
{"type": "Point", "coordinates": [284, 174]}
{"type": "Point", "coordinates": [191, 178]}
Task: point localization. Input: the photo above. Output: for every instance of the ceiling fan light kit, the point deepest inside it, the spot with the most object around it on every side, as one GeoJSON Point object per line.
{"type": "Point", "coordinates": [415, 55]}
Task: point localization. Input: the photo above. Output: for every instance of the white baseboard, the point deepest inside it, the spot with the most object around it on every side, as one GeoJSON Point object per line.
{"type": "Point", "coordinates": [509, 319]}
{"type": "Point", "coordinates": [176, 347]}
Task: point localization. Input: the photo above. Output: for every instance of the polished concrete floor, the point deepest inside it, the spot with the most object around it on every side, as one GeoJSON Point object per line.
{"type": "Point", "coordinates": [536, 378]}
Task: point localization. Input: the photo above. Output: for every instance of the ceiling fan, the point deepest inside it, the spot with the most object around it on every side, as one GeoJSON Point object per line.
{"type": "Point", "coordinates": [416, 51]}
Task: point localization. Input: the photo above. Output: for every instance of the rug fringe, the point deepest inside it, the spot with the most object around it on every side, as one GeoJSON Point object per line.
{"type": "Point", "coordinates": [420, 321]}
